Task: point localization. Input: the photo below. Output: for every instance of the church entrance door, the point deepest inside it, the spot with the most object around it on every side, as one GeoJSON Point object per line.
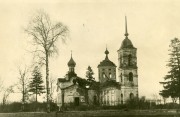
{"type": "Point", "coordinates": [76, 101]}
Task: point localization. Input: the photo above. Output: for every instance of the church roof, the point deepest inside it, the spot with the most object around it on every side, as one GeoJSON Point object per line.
{"type": "Point", "coordinates": [69, 75]}
{"type": "Point", "coordinates": [94, 85]}
{"type": "Point", "coordinates": [106, 61]}
{"type": "Point", "coordinates": [110, 83]}
{"type": "Point", "coordinates": [127, 43]}
{"type": "Point", "coordinates": [62, 80]}
{"type": "Point", "coordinates": [73, 85]}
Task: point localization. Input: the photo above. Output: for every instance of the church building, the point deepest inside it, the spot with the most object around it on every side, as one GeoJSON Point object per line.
{"type": "Point", "coordinates": [109, 90]}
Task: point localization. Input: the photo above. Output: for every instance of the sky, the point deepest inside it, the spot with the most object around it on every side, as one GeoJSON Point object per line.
{"type": "Point", "coordinates": [93, 25]}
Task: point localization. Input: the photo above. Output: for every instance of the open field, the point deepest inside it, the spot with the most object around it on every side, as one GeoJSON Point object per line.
{"type": "Point", "coordinates": [102, 113]}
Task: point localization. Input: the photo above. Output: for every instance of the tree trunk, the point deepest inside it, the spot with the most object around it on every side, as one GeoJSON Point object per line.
{"type": "Point", "coordinates": [23, 96]}
{"type": "Point", "coordinates": [178, 74]}
{"type": "Point", "coordinates": [62, 99]}
{"type": "Point", "coordinates": [47, 82]}
{"type": "Point", "coordinates": [50, 91]}
{"type": "Point", "coordinates": [36, 96]}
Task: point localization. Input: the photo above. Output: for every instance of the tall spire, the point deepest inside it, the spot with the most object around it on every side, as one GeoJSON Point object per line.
{"type": "Point", "coordinates": [71, 53]}
{"type": "Point", "coordinates": [126, 31]}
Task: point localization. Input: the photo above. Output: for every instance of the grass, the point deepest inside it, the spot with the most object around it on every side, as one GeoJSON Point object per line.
{"type": "Point", "coordinates": [99, 113]}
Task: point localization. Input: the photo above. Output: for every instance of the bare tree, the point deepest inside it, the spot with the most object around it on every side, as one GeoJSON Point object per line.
{"type": "Point", "coordinates": [22, 84]}
{"type": "Point", "coordinates": [1, 85]}
{"type": "Point", "coordinates": [7, 92]}
{"type": "Point", "coordinates": [45, 35]}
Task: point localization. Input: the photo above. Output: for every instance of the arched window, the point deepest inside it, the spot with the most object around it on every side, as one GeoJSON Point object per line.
{"type": "Point", "coordinates": [131, 76]}
{"type": "Point", "coordinates": [136, 95]}
{"type": "Point", "coordinates": [121, 77]}
{"type": "Point", "coordinates": [131, 96]}
{"type": "Point", "coordinates": [129, 59]}
{"type": "Point", "coordinates": [108, 99]}
{"type": "Point", "coordinates": [99, 73]}
{"type": "Point", "coordinates": [103, 75]}
{"type": "Point", "coordinates": [121, 98]}
{"type": "Point", "coordinates": [110, 75]}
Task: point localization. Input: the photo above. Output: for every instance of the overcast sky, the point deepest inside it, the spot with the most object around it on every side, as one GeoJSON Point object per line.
{"type": "Point", "coordinates": [92, 25]}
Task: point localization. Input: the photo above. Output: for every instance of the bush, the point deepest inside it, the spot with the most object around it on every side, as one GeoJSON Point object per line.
{"type": "Point", "coordinates": [13, 107]}
{"type": "Point", "coordinates": [28, 107]}
{"type": "Point", "coordinates": [140, 103]}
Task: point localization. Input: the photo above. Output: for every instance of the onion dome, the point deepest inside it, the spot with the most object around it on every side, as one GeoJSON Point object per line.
{"type": "Point", "coordinates": [71, 62]}
{"type": "Point", "coordinates": [106, 61]}
{"type": "Point", "coordinates": [106, 52]}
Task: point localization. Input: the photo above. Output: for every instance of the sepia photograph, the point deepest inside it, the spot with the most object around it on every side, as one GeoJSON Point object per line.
{"type": "Point", "coordinates": [89, 58]}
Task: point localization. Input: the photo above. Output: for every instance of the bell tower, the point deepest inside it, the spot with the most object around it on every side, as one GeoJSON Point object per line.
{"type": "Point", "coordinates": [127, 68]}
{"type": "Point", "coordinates": [106, 69]}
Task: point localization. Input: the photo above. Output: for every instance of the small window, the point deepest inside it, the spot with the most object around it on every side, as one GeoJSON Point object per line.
{"type": "Point", "coordinates": [131, 76]}
{"type": "Point", "coordinates": [129, 59]}
{"type": "Point", "coordinates": [121, 98]}
{"type": "Point", "coordinates": [112, 91]}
